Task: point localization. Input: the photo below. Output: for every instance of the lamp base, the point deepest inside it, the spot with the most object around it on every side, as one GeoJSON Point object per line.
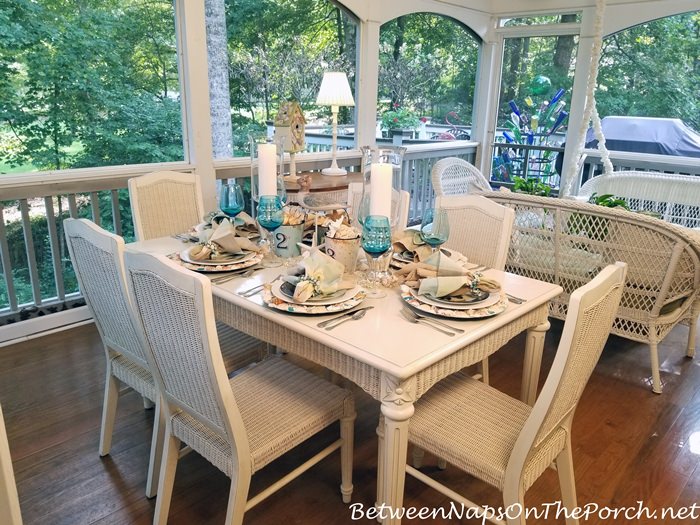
{"type": "Point", "coordinates": [334, 172]}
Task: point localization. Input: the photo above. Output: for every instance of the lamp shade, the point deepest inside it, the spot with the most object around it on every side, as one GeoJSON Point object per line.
{"type": "Point", "coordinates": [335, 90]}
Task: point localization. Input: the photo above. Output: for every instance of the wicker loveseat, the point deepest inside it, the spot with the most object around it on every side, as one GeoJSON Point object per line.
{"type": "Point", "coordinates": [675, 198]}
{"type": "Point", "coordinates": [567, 242]}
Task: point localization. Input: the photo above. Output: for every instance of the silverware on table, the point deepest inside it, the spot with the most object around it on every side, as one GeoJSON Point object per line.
{"type": "Point", "coordinates": [325, 323]}
{"type": "Point", "coordinates": [514, 299]}
{"type": "Point", "coordinates": [257, 289]}
{"type": "Point", "coordinates": [357, 314]}
{"type": "Point", "coordinates": [430, 319]}
{"type": "Point", "coordinates": [425, 321]}
{"type": "Point", "coordinates": [235, 274]}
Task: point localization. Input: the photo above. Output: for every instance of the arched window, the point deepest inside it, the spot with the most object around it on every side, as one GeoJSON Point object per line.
{"type": "Point", "coordinates": [428, 66]}
{"type": "Point", "coordinates": [278, 51]}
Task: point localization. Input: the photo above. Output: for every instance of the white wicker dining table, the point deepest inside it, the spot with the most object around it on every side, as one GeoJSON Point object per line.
{"type": "Point", "coordinates": [393, 360]}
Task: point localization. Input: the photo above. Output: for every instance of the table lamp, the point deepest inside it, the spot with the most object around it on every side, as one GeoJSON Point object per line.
{"type": "Point", "coordinates": [335, 92]}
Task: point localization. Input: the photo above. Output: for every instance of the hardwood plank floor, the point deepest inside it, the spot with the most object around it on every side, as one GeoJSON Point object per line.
{"type": "Point", "coordinates": [629, 445]}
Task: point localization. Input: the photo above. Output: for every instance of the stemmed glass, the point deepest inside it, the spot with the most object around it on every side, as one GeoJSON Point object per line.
{"type": "Point", "coordinates": [435, 228]}
{"type": "Point", "coordinates": [270, 217]}
{"type": "Point", "coordinates": [376, 242]}
{"type": "Point", "coordinates": [231, 201]}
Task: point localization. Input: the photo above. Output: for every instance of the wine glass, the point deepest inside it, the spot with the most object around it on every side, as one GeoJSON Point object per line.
{"type": "Point", "coordinates": [231, 201]}
{"type": "Point", "coordinates": [376, 242]}
{"type": "Point", "coordinates": [270, 217]}
{"type": "Point", "coordinates": [435, 228]}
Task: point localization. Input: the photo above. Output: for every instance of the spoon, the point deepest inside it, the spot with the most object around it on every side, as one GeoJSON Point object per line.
{"type": "Point", "coordinates": [357, 315]}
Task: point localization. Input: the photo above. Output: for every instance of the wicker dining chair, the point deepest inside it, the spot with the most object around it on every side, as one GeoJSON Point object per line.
{"type": "Point", "coordinates": [239, 425]}
{"type": "Point", "coordinates": [165, 203]}
{"type": "Point", "coordinates": [503, 441]}
{"type": "Point", "coordinates": [455, 176]}
{"type": "Point", "coordinates": [9, 501]}
{"type": "Point", "coordinates": [399, 204]}
{"type": "Point", "coordinates": [98, 259]}
{"type": "Point", "coordinates": [478, 229]}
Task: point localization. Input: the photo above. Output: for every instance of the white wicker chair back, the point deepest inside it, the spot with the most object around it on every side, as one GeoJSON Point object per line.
{"type": "Point", "coordinates": [455, 176]}
{"type": "Point", "coordinates": [165, 203]}
{"type": "Point", "coordinates": [478, 229]}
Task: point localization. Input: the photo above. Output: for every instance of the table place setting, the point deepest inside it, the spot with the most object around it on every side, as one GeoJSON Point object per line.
{"type": "Point", "coordinates": [315, 286]}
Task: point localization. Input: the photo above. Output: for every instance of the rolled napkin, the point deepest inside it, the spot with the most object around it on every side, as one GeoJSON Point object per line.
{"type": "Point", "coordinates": [459, 287]}
{"type": "Point", "coordinates": [317, 275]}
{"type": "Point", "coordinates": [437, 264]}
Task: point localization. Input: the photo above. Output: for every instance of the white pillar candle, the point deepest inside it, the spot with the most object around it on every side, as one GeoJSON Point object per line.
{"type": "Point", "coordinates": [380, 190]}
{"type": "Point", "coordinates": [267, 169]}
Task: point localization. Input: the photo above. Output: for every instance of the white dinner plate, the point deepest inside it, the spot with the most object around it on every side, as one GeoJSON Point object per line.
{"type": "Point", "coordinates": [484, 303]}
{"type": "Point", "coordinates": [233, 259]}
{"type": "Point", "coordinates": [272, 301]}
{"type": "Point", "coordinates": [334, 299]}
{"type": "Point", "coordinates": [451, 313]}
{"type": "Point", "coordinates": [238, 265]}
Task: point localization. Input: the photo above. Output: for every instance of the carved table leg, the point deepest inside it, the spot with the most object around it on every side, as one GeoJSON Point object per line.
{"type": "Point", "coordinates": [534, 346]}
{"type": "Point", "coordinates": [397, 409]}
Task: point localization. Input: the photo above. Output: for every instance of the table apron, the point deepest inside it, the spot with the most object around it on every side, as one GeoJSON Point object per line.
{"type": "Point", "coordinates": [364, 375]}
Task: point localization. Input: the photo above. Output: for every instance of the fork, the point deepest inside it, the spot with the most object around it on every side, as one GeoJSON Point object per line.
{"type": "Point", "coordinates": [431, 320]}
{"type": "Point", "coordinates": [257, 289]}
{"type": "Point", "coordinates": [229, 276]}
{"type": "Point", "coordinates": [420, 320]}
{"type": "Point", "coordinates": [514, 299]}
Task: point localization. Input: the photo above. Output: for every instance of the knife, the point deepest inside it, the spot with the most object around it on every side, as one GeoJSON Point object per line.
{"type": "Point", "coordinates": [351, 312]}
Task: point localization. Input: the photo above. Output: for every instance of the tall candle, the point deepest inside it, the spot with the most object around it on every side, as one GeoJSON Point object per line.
{"type": "Point", "coordinates": [267, 169]}
{"type": "Point", "coordinates": [380, 190]}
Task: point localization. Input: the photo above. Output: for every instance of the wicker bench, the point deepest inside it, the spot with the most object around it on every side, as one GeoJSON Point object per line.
{"type": "Point", "coordinates": [567, 242]}
{"type": "Point", "coordinates": [675, 198]}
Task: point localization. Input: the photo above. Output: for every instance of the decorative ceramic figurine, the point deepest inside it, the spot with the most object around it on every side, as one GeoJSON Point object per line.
{"type": "Point", "coordinates": [289, 126]}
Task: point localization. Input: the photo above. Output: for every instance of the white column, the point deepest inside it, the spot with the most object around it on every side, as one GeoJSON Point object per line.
{"type": "Point", "coordinates": [578, 99]}
{"type": "Point", "coordinates": [486, 100]}
{"type": "Point", "coordinates": [194, 79]}
{"type": "Point", "coordinates": [367, 83]}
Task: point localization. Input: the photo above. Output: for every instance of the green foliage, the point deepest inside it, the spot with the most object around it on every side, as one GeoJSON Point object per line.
{"type": "Point", "coordinates": [609, 200]}
{"type": "Point", "coordinates": [399, 118]}
{"type": "Point", "coordinates": [532, 186]}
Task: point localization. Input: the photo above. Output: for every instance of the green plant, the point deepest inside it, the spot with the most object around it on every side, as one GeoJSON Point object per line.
{"type": "Point", "coordinates": [399, 118]}
{"type": "Point", "coordinates": [608, 200]}
{"type": "Point", "coordinates": [532, 186]}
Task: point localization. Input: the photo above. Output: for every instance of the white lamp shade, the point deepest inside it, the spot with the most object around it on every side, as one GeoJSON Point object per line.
{"type": "Point", "coordinates": [335, 90]}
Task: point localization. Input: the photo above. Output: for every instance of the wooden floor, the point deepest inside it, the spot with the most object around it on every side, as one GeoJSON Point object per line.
{"type": "Point", "coordinates": [629, 444]}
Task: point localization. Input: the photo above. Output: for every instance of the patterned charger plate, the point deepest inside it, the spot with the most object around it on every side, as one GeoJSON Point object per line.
{"type": "Point", "coordinates": [255, 259]}
{"type": "Point", "coordinates": [231, 259]}
{"type": "Point", "coordinates": [490, 300]}
{"type": "Point", "coordinates": [451, 313]}
{"type": "Point", "coordinates": [285, 291]}
{"type": "Point", "coordinates": [310, 308]}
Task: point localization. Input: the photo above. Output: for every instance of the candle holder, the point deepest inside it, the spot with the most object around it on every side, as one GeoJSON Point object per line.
{"type": "Point", "coordinates": [266, 170]}
{"type": "Point", "coordinates": [393, 157]}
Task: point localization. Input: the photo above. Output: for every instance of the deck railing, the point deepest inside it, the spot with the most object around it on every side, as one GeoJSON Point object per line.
{"type": "Point", "coordinates": [37, 278]}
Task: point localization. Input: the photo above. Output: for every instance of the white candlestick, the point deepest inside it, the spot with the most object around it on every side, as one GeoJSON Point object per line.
{"type": "Point", "coordinates": [267, 169]}
{"type": "Point", "coordinates": [380, 190]}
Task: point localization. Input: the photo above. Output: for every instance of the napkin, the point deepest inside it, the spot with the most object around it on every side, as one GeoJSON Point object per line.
{"type": "Point", "coordinates": [316, 275]}
{"type": "Point", "coordinates": [437, 264]}
{"type": "Point", "coordinates": [410, 241]}
{"type": "Point", "coordinates": [220, 241]}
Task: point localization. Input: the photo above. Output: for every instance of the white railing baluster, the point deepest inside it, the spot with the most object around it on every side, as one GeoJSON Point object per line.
{"type": "Point", "coordinates": [95, 205]}
{"type": "Point", "coordinates": [7, 265]}
{"type": "Point", "coordinates": [72, 206]}
{"type": "Point", "coordinates": [55, 248]}
{"type": "Point", "coordinates": [116, 215]}
{"type": "Point", "coordinates": [31, 255]}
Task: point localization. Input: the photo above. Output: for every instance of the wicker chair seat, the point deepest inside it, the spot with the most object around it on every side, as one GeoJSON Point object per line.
{"type": "Point", "coordinates": [134, 375]}
{"type": "Point", "coordinates": [299, 404]}
{"type": "Point", "coordinates": [483, 444]}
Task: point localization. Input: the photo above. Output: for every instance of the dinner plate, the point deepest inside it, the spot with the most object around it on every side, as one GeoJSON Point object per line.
{"type": "Point", "coordinates": [272, 301]}
{"type": "Point", "coordinates": [451, 313]}
{"type": "Point", "coordinates": [492, 299]}
{"type": "Point", "coordinates": [257, 257]}
{"type": "Point", "coordinates": [288, 288]}
{"type": "Point", "coordinates": [283, 295]}
{"type": "Point", "coordinates": [234, 258]}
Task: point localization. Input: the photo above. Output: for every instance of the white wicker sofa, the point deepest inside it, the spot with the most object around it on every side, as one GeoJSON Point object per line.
{"type": "Point", "coordinates": [676, 198]}
{"type": "Point", "coordinates": [567, 242]}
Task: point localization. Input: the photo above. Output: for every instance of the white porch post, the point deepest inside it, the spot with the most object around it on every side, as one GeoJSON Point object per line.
{"type": "Point", "coordinates": [578, 99]}
{"type": "Point", "coordinates": [486, 99]}
{"type": "Point", "coordinates": [194, 75]}
{"type": "Point", "coordinates": [367, 85]}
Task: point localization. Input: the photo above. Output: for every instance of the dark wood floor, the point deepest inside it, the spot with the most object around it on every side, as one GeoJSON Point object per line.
{"type": "Point", "coordinates": [629, 444]}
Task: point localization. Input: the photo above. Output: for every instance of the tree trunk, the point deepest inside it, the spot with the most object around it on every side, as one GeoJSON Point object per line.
{"type": "Point", "coordinates": [564, 48]}
{"type": "Point", "coordinates": [219, 95]}
{"type": "Point", "coordinates": [398, 44]}
{"type": "Point", "coordinates": [511, 67]}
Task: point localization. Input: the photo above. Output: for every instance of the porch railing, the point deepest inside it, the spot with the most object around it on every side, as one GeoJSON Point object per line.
{"type": "Point", "coordinates": [37, 278]}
